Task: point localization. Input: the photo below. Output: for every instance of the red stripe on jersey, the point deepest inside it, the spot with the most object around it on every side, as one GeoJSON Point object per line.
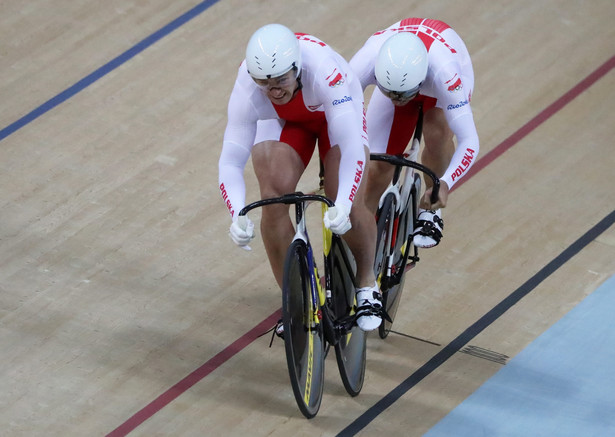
{"type": "Point", "coordinates": [310, 38]}
{"type": "Point", "coordinates": [427, 40]}
{"type": "Point", "coordinates": [426, 29]}
{"type": "Point", "coordinates": [411, 21]}
{"type": "Point", "coordinates": [296, 111]}
{"type": "Point", "coordinates": [438, 26]}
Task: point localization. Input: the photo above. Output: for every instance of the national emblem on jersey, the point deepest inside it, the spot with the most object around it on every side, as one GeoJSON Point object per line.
{"type": "Point", "coordinates": [454, 84]}
{"type": "Point", "coordinates": [335, 78]}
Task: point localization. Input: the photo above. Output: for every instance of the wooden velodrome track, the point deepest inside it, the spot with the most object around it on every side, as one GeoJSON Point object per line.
{"type": "Point", "coordinates": [125, 307]}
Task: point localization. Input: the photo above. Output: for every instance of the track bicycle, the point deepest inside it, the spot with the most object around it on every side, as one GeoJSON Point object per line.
{"type": "Point", "coordinates": [397, 218]}
{"type": "Point", "coordinates": [316, 317]}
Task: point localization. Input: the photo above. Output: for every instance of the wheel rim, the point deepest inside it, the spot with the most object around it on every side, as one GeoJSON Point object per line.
{"type": "Point", "coordinates": [350, 350]}
{"type": "Point", "coordinates": [303, 337]}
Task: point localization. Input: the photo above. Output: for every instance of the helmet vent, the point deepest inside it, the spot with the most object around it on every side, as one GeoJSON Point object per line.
{"type": "Point", "coordinates": [277, 46]}
{"type": "Point", "coordinates": [402, 62]}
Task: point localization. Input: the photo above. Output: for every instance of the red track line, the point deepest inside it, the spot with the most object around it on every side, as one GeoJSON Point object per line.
{"type": "Point", "coordinates": [538, 120]}
{"type": "Point", "coordinates": [182, 386]}
{"type": "Point", "coordinates": [211, 365]}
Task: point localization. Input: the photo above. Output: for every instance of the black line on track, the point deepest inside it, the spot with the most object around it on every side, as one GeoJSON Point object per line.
{"type": "Point", "coordinates": [466, 336]}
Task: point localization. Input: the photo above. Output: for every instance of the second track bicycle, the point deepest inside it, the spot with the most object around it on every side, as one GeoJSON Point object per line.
{"type": "Point", "coordinates": [397, 218]}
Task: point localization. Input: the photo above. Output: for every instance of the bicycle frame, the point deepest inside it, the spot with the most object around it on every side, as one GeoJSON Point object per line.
{"type": "Point", "coordinates": [396, 221]}
{"type": "Point", "coordinates": [402, 184]}
{"type": "Point", "coordinates": [331, 243]}
{"type": "Point", "coordinates": [314, 317]}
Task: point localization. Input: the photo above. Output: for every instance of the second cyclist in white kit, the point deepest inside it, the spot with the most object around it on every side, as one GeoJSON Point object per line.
{"type": "Point", "coordinates": [419, 63]}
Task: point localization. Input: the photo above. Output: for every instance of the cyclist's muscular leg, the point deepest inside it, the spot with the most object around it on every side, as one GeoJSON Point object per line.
{"type": "Point", "coordinates": [380, 175]}
{"type": "Point", "coordinates": [268, 158]}
{"type": "Point", "coordinates": [361, 238]}
{"type": "Point", "coordinates": [439, 146]}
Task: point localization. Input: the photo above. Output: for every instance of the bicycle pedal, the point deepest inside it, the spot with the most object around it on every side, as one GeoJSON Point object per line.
{"type": "Point", "coordinates": [385, 315]}
{"type": "Point", "coordinates": [279, 329]}
{"type": "Point", "coordinates": [276, 331]}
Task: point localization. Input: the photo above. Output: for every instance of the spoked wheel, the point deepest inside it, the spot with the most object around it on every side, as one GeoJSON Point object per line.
{"type": "Point", "coordinates": [303, 333]}
{"type": "Point", "coordinates": [391, 297]}
{"type": "Point", "coordinates": [389, 294]}
{"type": "Point", "coordinates": [350, 350]}
{"type": "Point", "coordinates": [385, 216]}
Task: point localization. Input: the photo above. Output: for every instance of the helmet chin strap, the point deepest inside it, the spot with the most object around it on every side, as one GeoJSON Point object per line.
{"type": "Point", "coordinates": [299, 84]}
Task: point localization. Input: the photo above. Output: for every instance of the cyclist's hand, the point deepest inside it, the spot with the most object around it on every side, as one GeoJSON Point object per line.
{"type": "Point", "coordinates": [442, 198]}
{"type": "Point", "coordinates": [242, 231]}
{"type": "Point", "coordinates": [337, 218]}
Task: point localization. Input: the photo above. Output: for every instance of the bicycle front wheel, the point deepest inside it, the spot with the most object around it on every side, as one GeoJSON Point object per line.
{"type": "Point", "coordinates": [350, 350]}
{"type": "Point", "coordinates": [390, 292]}
{"type": "Point", "coordinates": [303, 333]}
{"type": "Point", "coordinates": [383, 242]}
{"type": "Point", "coordinates": [404, 248]}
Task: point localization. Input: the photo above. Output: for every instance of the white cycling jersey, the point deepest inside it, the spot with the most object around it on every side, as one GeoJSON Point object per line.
{"type": "Point", "coordinates": [450, 80]}
{"type": "Point", "coordinates": [330, 92]}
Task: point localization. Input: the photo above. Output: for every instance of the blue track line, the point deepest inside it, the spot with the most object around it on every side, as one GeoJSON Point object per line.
{"type": "Point", "coordinates": [105, 69]}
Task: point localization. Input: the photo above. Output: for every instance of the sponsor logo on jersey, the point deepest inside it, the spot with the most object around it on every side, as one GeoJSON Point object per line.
{"type": "Point", "coordinates": [335, 79]}
{"type": "Point", "coordinates": [454, 84]}
{"type": "Point", "coordinates": [458, 105]}
{"type": "Point", "coordinates": [357, 180]}
{"type": "Point", "coordinates": [465, 164]}
{"type": "Point", "coordinates": [342, 100]}
{"type": "Point", "coordinates": [227, 200]}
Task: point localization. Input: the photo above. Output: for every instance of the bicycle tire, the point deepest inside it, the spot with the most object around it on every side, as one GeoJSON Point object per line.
{"type": "Point", "coordinates": [303, 334]}
{"type": "Point", "coordinates": [390, 301]}
{"type": "Point", "coordinates": [389, 294]}
{"type": "Point", "coordinates": [385, 216]}
{"type": "Point", "coordinates": [351, 348]}
{"type": "Point", "coordinates": [392, 297]}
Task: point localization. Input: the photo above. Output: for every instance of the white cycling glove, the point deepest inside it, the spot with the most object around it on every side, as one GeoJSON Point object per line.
{"type": "Point", "coordinates": [242, 231]}
{"type": "Point", "coordinates": [337, 218]}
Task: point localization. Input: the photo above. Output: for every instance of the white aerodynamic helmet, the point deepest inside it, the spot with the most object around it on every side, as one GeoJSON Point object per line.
{"type": "Point", "coordinates": [272, 51]}
{"type": "Point", "coordinates": [401, 66]}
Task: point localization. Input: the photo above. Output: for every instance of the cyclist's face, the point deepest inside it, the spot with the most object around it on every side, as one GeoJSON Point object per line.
{"type": "Point", "coordinates": [401, 101]}
{"type": "Point", "coordinates": [400, 98]}
{"type": "Point", "coordinates": [279, 90]}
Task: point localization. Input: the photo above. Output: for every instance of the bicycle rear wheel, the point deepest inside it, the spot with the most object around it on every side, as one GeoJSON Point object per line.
{"type": "Point", "coordinates": [303, 333]}
{"type": "Point", "coordinates": [350, 350]}
{"type": "Point", "coordinates": [390, 300]}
